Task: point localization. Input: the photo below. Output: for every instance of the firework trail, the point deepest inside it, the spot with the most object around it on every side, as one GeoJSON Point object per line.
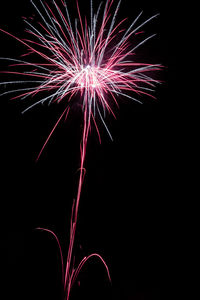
{"type": "Point", "coordinates": [92, 59]}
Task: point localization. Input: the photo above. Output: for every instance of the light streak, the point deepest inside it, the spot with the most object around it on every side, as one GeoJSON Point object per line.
{"type": "Point", "coordinates": [93, 59]}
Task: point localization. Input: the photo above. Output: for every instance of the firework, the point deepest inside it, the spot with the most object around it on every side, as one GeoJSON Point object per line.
{"type": "Point", "coordinates": [93, 61]}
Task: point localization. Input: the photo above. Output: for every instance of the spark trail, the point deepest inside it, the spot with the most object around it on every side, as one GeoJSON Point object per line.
{"type": "Point", "coordinates": [90, 59]}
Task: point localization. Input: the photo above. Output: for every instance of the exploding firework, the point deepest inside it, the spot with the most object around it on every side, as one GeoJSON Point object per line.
{"type": "Point", "coordinates": [93, 61]}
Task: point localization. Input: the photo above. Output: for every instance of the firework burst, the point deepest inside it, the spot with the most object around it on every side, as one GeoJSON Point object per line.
{"type": "Point", "coordinates": [93, 59]}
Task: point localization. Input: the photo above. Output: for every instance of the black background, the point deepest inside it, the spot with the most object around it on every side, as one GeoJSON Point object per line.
{"type": "Point", "coordinates": [130, 199]}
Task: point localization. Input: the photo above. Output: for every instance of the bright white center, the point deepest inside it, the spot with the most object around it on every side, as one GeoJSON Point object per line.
{"type": "Point", "coordinates": [88, 77]}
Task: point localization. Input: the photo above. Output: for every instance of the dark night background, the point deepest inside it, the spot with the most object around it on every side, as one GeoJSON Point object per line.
{"type": "Point", "coordinates": [129, 203]}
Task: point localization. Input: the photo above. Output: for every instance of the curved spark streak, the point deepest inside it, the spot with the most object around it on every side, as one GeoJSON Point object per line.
{"type": "Point", "coordinates": [93, 59]}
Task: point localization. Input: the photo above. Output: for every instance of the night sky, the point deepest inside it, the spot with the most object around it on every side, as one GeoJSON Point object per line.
{"type": "Point", "coordinates": [128, 205]}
